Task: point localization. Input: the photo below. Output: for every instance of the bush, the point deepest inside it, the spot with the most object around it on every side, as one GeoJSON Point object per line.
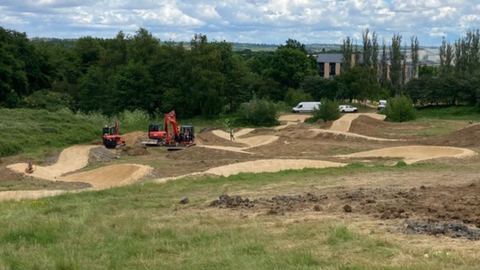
{"type": "Point", "coordinates": [328, 111]}
{"type": "Point", "coordinates": [258, 112]}
{"type": "Point", "coordinates": [400, 109]}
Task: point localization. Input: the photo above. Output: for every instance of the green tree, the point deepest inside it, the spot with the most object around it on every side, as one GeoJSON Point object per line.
{"type": "Point", "coordinates": [328, 111]}
{"type": "Point", "coordinates": [400, 109]}
{"type": "Point", "coordinates": [88, 50]}
{"type": "Point", "coordinates": [396, 62]}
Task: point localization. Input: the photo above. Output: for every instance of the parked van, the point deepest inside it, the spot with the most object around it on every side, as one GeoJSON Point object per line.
{"type": "Point", "coordinates": [306, 107]}
{"type": "Point", "coordinates": [382, 104]}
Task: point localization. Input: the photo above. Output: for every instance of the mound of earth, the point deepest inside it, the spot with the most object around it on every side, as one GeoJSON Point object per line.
{"type": "Point", "coordinates": [209, 138]}
{"type": "Point", "coordinates": [412, 154]}
{"type": "Point", "coordinates": [134, 138]}
{"type": "Point", "coordinates": [109, 176]}
{"type": "Point", "coordinates": [101, 155]}
{"type": "Point", "coordinates": [466, 137]}
{"type": "Point", "coordinates": [372, 127]}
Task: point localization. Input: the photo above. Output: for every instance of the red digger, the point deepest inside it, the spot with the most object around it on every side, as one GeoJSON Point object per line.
{"type": "Point", "coordinates": [111, 136]}
{"type": "Point", "coordinates": [174, 137]}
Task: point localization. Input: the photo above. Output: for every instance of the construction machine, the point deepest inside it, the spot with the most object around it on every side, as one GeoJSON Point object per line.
{"type": "Point", "coordinates": [111, 136]}
{"type": "Point", "coordinates": [156, 135]}
{"type": "Point", "coordinates": [177, 137]}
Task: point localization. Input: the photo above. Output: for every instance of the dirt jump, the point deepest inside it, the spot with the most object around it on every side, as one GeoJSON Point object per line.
{"type": "Point", "coordinates": [75, 158]}
{"type": "Point", "coordinates": [285, 147]}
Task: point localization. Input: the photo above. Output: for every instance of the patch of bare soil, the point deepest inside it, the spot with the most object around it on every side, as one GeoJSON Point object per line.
{"type": "Point", "coordinates": [466, 137]}
{"type": "Point", "coordinates": [369, 126]}
{"type": "Point", "coordinates": [208, 138]}
{"type": "Point", "coordinates": [452, 211]}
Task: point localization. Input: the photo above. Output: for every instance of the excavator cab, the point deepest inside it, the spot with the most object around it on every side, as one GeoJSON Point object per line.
{"type": "Point", "coordinates": [111, 136]}
{"type": "Point", "coordinates": [187, 133]}
{"type": "Point", "coordinates": [156, 132]}
{"type": "Point", "coordinates": [156, 135]}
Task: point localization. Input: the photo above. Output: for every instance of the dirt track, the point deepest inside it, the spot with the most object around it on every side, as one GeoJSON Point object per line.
{"type": "Point", "coordinates": [297, 146]}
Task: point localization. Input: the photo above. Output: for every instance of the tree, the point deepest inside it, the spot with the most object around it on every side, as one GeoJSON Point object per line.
{"type": "Point", "coordinates": [446, 57]}
{"type": "Point", "coordinates": [293, 44]}
{"type": "Point", "coordinates": [347, 51]}
{"type": "Point", "coordinates": [142, 46]}
{"type": "Point", "coordinates": [395, 62]}
{"type": "Point", "coordinates": [88, 50]}
{"type": "Point", "coordinates": [414, 47]}
{"type": "Point", "coordinates": [367, 48]}
{"type": "Point", "coordinates": [384, 66]}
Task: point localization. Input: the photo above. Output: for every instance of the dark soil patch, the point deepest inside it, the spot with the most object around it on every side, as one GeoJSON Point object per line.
{"type": "Point", "coordinates": [446, 210]}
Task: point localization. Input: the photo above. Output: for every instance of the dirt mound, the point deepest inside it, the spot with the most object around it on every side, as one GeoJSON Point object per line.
{"type": "Point", "coordinates": [109, 176]}
{"type": "Point", "coordinates": [209, 138]}
{"type": "Point", "coordinates": [412, 154]}
{"type": "Point", "coordinates": [466, 137]}
{"type": "Point", "coordinates": [369, 126]}
{"type": "Point", "coordinates": [101, 155]}
{"type": "Point", "coordinates": [134, 138]}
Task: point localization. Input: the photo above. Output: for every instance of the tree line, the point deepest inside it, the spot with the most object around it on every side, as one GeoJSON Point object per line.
{"type": "Point", "coordinates": [130, 72]}
{"type": "Point", "coordinates": [141, 72]}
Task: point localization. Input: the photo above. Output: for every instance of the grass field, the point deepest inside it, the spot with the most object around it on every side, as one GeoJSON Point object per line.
{"type": "Point", "coordinates": [144, 226]}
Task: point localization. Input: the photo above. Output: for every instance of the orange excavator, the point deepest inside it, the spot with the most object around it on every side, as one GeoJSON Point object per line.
{"type": "Point", "coordinates": [178, 137]}
{"type": "Point", "coordinates": [173, 136]}
{"type": "Point", "coordinates": [111, 137]}
{"type": "Point", "coordinates": [156, 135]}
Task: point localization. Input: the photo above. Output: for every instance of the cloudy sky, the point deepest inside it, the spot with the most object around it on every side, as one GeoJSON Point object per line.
{"type": "Point", "coordinates": [251, 21]}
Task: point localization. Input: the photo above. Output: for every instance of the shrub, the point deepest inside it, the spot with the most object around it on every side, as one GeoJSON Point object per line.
{"type": "Point", "coordinates": [328, 111]}
{"type": "Point", "coordinates": [400, 109]}
{"type": "Point", "coordinates": [258, 112]}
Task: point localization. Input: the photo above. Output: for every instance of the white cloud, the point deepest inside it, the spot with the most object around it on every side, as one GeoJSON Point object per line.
{"type": "Point", "coordinates": [262, 21]}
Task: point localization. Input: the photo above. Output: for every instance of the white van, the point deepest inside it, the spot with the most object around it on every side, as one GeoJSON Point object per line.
{"type": "Point", "coordinates": [382, 104]}
{"type": "Point", "coordinates": [306, 107]}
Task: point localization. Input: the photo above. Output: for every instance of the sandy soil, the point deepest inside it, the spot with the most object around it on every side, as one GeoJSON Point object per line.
{"type": "Point", "coordinates": [412, 154]}
{"type": "Point", "coordinates": [343, 124]}
{"type": "Point", "coordinates": [71, 160]}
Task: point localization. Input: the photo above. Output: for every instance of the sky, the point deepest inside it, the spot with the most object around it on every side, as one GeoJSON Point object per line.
{"type": "Point", "coordinates": [246, 21]}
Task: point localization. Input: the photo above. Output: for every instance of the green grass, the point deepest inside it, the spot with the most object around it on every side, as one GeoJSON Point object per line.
{"type": "Point", "coordinates": [143, 226]}
{"type": "Point", "coordinates": [450, 112]}
{"type": "Point", "coordinates": [25, 130]}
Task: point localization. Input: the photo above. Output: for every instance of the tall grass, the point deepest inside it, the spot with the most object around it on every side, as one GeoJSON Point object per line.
{"type": "Point", "coordinates": [24, 130]}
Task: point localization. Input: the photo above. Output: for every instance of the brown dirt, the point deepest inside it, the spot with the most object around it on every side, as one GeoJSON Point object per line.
{"type": "Point", "coordinates": [423, 208]}
{"type": "Point", "coordinates": [369, 126]}
{"type": "Point", "coordinates": [466, 137]}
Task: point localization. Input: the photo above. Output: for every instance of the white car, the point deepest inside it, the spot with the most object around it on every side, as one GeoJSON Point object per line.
{"type": "Point", "coordinates": [382, 104]}
{"type": "Point", "coordinates": [347, 109]}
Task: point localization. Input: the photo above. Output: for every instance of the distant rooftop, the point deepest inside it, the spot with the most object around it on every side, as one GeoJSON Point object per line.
{"type": "Point", "coordinates": [330, 58]}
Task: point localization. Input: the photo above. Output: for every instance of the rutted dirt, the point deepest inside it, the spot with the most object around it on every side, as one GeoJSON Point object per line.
{"type": "Point", "coordinates": [453, 211]}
